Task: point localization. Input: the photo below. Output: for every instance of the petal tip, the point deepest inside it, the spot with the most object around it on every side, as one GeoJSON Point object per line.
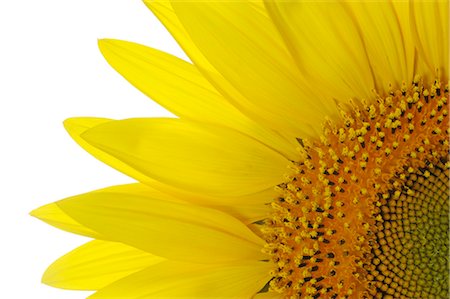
{"type": "Point", "coordinates": [82, 123]}
{"type": "Point", "coordinates": [40, 212]}
{"type": "Point", "coordinates": [103, 42]}
{"type": "Point", "coordinates": [47, 278]}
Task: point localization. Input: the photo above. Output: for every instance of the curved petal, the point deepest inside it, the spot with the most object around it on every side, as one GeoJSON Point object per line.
{"type": "Point", "coordinates": [247, 62]}
{"type": "Point", "coordinates": [387, 41]}
{"type": "Point", "coordinates": [163, 10]}
{"type": "Point", "coordinates": [196, 157]}
{"type": "Point", "coordinates": [179, 87]}
{"type": "Point", "coordinates": [178, 280]}
{"type": "Point", "coordinates": [430, 26]}
{"type": "Point", "coordinates": [402, 10]}
{"type": "Point", "coordinates": [96, 265]}
{"type": "Point", "coordinates": [54, 216]}
{"type": "Point", "coordinates": [247, 208]}
{"type": "Point", "coordinates": [247, 213]}
{"type": "Point", "coordinates": [327, 47]}
{"type": "Point", "coordinates": [78, 125]}
{"type": "Point", "coordinates": [173, 230]}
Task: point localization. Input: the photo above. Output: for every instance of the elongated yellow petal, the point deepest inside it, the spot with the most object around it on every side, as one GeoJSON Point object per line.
{"type": "Point", "coordinates": [247, 213]}
{"type": "Point", "coordinates": [179, 87]}
{"type": "Point", "coordinates": [200, 158]}
{"type": "Point", "coordinates": [169, 229]}
{"type": "Point", "coordinates": [430, 20]}
{"type": "Point", "coordinates": [96, 265]}
{"type": "Point", "coordinates": [248, 208]}
{"type": "Point", "coordinates": [177, 280]}
{"type": "Point", "coordinates": [163, 10]}
{"type": "Point", "coordinates": [78, 125]}
{"type": "Point", "coordinates": [246, 61]}
{"type": "Point", "coordinates": [255, 207]}
{"type": "Point", "coordinates": [54, 216]}
{"type": "Point", "coordinates": [402, 11]}
{"type": "Point", "coordinates": [387, 41]}
{"type": "Point", "coordinates": [172, 82]}
{"type": "Point", "coordinates": [326, 45]}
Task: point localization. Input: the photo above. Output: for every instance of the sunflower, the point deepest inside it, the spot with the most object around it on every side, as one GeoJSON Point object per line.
{"type": "Point", "coordinates": [309, 158]}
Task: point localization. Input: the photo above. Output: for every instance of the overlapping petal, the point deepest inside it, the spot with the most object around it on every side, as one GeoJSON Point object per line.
{"type": "Point", "coordinates": [197, 157]}
{"type": "Point", "coordinates": [327, 47]}
{"type": "Point", "coordinates": [179, 87]}
{"type": "Point", "coordinates": [174, 230]}
{"type": "Point", "coordinates": [248, 208]}
{"type": "Point", "coordinates": [387, 40]}
{"type": "Point", "coordinates": [53, 215]}
{"type": "Point", "coordinates": [96, 265]}
{"type": "Point", "coordinates": [243, 56]}
{"type": "Point", "coordinates": [180, 280]}
{"type": "Point", "coordinates": [430, 26]}
{"type": "Point", "coordinates": [78, 125]}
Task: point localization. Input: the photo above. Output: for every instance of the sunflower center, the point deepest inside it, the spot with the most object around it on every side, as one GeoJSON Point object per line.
{"type": "Point", "coordinates": [365, 212]}
{"type": "Point", "coordinates": [411, 256]}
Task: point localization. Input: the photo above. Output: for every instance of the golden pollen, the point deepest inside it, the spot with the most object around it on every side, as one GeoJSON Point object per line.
{"type": "Point", "coordinates": [365, 214]}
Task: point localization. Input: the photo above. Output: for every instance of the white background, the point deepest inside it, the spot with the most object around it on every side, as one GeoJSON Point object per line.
{"type": "Point", "coordinates": [51, 69]}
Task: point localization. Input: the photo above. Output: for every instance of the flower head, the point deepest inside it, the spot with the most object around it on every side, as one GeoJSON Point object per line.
{"type": "Point", "coordinates": [309, 158]}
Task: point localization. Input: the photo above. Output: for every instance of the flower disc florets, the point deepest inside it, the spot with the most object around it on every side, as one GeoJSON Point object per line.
{"type": "Point", "coordinates": [366, 213]}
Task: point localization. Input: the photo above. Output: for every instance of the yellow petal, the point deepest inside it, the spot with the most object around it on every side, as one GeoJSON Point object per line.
{"type": "Point", "coordinates": [172, 230]}
{"type": "Point", "coordinates": [253, 210]}
{"type": "Point", "coordinates": [430, 20]}
{"type": "Point", "coordinates": [172, 82]}
{"type": "Point", "coordinates": [327, 47]}
{"type": "Point", "coordinates": [387, 41]}
{"type": "Point", "coordinates": [402, 10]}
{"type": "Point", "coordinates": [77, 126]}
{"type": "Point", "coordinates": [196, 157]}
{"type": "Point", "coordinates": [247, 209]}
{"type": "Point", "coordinates": [179, 87]}
{"type": "Point", "coordinates": [177, 280]}
{"type": "Point", "coordinates": [247, 61]}
{"type": "Point", "coordinates": [97, 264]}
{"type": "Point", "coordinates": [163, 10]}
{"type": "Point", "coordinates": [245, 212]}
{"type": "Point", "coordinates": [54, 216]}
